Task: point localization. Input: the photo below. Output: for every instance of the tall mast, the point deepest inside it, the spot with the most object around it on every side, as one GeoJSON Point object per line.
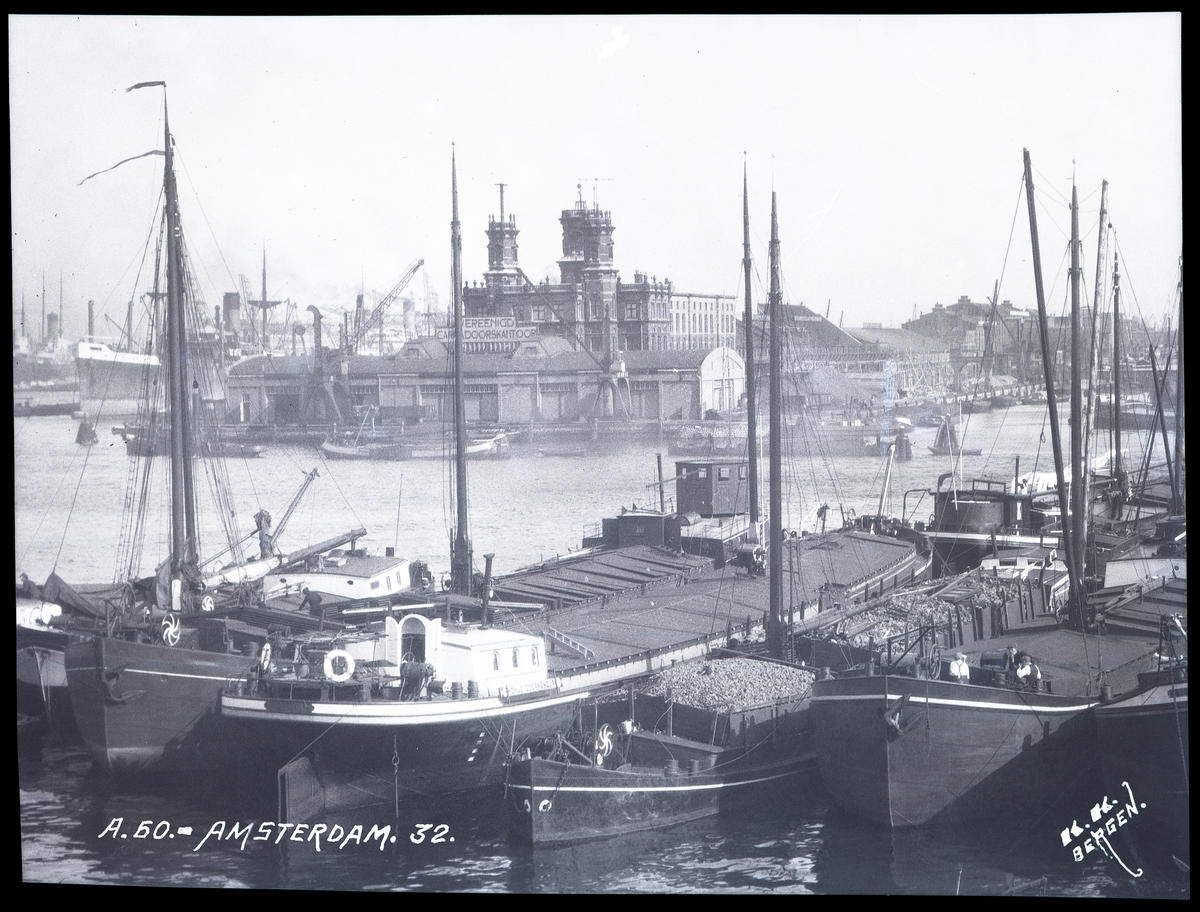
{"type": "Point", "coordinates": [264, 299]}
{"type": "Point", "coordinates": [751, 391]}
{"type": "Point", "coordinates": [1090, 409]}
{"type": "Point", "coordinates": [183, 508]}
{"type": "Point", "coordinates": [460, 560]}
{"type": "Point", "coordinates": [1118, 468]}
{"type": "Point", "coordinates": [1178, 491]}
{"type": "Point", "coordinates": [1052, 402]}
{"type": "Point", "coordinates": [775, 509]}
{"type": "Point", "coordinates": [1078, 494]}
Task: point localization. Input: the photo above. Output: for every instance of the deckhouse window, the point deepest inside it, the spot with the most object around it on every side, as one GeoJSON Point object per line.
{"type": "Point", "coordinates": [533, 651]}
{"type": "Point", "coordinates": [514, 658]}
{"type": "Point", "coordinates": [495, 661]}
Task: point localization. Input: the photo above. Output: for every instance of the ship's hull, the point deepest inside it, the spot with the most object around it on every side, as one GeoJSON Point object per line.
{"type": "Point", "coordinates": [146, 707]}
{"type": "Point", "coordinates": [385, 749]}
{"type": "Point", "coordinates": [42, 681]}
{"type": "Point", "coordinates": [1143, 745]}
{"type": "Point", "coordinates": [904, 751]}
{"type": "Point", "coordinates": [116, 381]}
{"type": "Point", "coordinates": [551, 802]}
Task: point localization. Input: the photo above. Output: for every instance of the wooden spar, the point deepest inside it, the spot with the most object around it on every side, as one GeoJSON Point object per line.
{"type": "Point", "coordinates": [1078, 503]}
{"type": "Point", "coordinates": [183, 506]}
{"type": "Point", "coordinates": [775, 507]}
{"type": "Point", "coordinates": [887, 480]}
{"type": "Point", "coordinates": [751, 392]}
{"type": "Point", "coordinates": [1118, 466]}
{"type": "Point", "coordinates": [1089, 418]}
{"type": "Point", "coordinates": [1160, 391]}
{"type": "Point", "coordinates": [460, 560]}
{"type": "Point", "coordinates": [989, 343]}
{"type": "Point", "coordinates": [1051, 399]}
{"type": "Point", "coordinates": [1181, 494]}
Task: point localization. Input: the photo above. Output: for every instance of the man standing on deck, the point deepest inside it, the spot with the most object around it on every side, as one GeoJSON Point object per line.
{"type": "Point", "coordinates": [1010, 663]}
{"type": "Point", "coordinates": [312, 601]}
{"type": "Point", "coordinates": [960, 671]}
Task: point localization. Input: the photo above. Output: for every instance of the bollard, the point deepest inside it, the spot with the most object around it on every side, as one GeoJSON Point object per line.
{"type": "Point", "coordinates": [472, 690]}
{"type": "Point", "coordinates": [456, 690]}
{"type": "Point", "coordinates": [672, 768]}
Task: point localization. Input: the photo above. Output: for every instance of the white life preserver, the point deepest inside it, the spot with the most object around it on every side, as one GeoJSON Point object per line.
{"type": "Point", "coordinates": [329, 660]}
{"type": "Point", "coordinates": [207, 603]}
{"type": "Point", "coordinates": [264, 659]}
{"type": "Point", "coordinates": [545, 804]}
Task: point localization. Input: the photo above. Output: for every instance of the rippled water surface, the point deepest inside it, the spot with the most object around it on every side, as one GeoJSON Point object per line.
{"type": "Point", "coordinates": [78, 827]}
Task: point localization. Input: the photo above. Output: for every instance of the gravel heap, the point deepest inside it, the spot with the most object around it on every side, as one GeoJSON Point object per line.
{"type": "Point", "coordinates": [913, 608]}
{"type": "Point", "coordinates": [723, 684]}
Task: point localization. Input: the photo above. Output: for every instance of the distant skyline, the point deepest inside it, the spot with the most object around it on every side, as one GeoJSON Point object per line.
{"type": "Point", "coordinates": [894, 145]}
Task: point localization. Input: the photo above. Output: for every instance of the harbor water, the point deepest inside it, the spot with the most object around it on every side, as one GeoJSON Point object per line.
{"type": "Point", "coordinates": [81, 827]}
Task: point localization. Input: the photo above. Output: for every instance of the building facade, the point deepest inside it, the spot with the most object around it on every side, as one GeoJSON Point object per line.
{"type": "Point", "coordinates": [590, 306]}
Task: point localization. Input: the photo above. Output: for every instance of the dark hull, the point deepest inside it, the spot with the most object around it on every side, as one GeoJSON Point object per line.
{"type": "Point", "coordinates": [145, 707]}
{"type": "Point", "coordinates": [550, 802]}
{"type": "Point", "coordinates": [38, 410]}
{"type": "Point", "coordinates": [958, 752]}
{"type": "Point", "coordinates": [1143, 745]}
{"type": "Point", "coordinates": [380, 749]}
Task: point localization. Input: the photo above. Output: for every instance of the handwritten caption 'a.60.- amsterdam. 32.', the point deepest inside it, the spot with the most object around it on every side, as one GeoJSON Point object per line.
{"type": "Point", "coordinates": [333, 836]}
{"type": "Point", "coordinates": [1107, 817]}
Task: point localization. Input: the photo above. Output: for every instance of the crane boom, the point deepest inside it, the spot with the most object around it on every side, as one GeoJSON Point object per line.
{"type": "Point", "coordinates": [376, 317]}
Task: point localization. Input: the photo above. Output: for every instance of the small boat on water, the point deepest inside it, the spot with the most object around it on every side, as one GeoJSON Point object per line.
{"type": "Point", "coordinates": [334, 448]}
{"type": "Point", "coordinates": [143, 442]}
{"type": "Point", "coordinates": [946, 442]}
{"type": "Point", "coordinates": [664, 763]}
{"type": "Point", "coordinates": [33, 408]}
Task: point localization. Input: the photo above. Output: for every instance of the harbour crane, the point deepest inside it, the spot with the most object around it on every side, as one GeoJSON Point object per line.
{"type": "Point", "coordinates": [364, 326]}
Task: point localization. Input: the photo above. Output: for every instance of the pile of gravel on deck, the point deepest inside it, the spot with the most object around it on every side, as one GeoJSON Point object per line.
{"type": "Point", "coordinates": [910, 609]}
{"type": "Point", "coordinates": [723, 684]}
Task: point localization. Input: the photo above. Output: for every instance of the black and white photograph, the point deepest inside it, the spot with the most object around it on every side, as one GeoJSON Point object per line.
{"type": "Point", "coordinates": [579, 454]}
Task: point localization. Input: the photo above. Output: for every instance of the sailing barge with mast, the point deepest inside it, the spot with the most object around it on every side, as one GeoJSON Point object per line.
{"type": "Point", "coordinates": [733, 745]}
{"type": "Point", "coordinates": [901, 744]}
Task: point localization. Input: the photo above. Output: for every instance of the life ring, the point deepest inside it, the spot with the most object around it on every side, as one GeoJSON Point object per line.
{"type": "Point", "coordinates": [545, 804]}
{"type": "Point", "coordinates": [207, 603]}
{"type": "Point", "coordinates": [264, 659]}
{"type": "Point", "coordinates": [170, 629]}
{"type": "Point", "coordinates": [342, 656]}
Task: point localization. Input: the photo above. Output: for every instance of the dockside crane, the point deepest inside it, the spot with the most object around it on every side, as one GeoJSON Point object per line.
{"type": "Point", "coordinates": [364, 326]}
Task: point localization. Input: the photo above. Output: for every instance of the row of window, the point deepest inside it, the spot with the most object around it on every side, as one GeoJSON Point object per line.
{"type": "Point", "coordinates": [516, 663]}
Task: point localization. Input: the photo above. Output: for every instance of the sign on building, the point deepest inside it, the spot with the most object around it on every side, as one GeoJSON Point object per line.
{"type": "Point", "coordinates": [491, 334]}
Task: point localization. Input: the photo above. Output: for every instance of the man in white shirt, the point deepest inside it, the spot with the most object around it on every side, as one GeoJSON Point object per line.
{"type": "Point", "coordinates": [960, 671]}
{"type": "Point", "coordinates": [1028, 675]}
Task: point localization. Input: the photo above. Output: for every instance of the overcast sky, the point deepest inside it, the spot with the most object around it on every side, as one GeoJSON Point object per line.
{"type": "Point", "coordinates": [894, 144]}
